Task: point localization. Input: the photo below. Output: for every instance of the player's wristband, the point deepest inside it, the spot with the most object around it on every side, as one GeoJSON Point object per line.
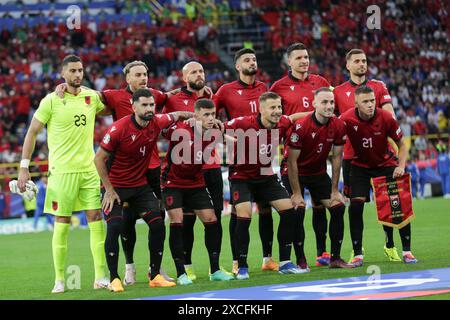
{"type": "Point", "coordinates": [25, 163]}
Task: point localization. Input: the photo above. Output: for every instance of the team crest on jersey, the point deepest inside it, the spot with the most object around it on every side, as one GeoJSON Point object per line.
{"type": "Point", "coordinates": [348, 93]}
{"type": "Point", "coordinates": [313, 134]}
{"type": "Point", "coordinates": [240, 92]}
{"type": "Point", "coordinates": [185, 102]}
{"type": "Point", "coordinates": [294, 137]}
{"type": "Point", "coordinates": [133, 137]}
{"type": "Point", "coordinates": [106, 138]}
{"type": "Point", "coordinates": [169, 201]}
{"type": "Point", "coordinates": [55, 205]}
{"type": "Point", "coordinates": [355, 127]}
{"type": "Point", "coordinates": [236, 195]}
{"type": "Point", "coordinates": [292, 88]}
{"type": "Point", "coordinates": [87, 99]}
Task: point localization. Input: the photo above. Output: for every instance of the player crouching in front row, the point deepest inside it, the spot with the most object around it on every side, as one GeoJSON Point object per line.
{"type": "Point", "coordinates": [184, 187]}
{"type": "Point", "coordinates": [122, 162]}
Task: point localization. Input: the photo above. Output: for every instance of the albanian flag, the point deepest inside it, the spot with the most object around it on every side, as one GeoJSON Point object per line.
{"type": "Point", "coordinates": [393, 200]}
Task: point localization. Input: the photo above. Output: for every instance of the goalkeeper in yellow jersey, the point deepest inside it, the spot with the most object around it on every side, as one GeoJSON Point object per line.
{"type": "Point", "coordinates": [73, 182]}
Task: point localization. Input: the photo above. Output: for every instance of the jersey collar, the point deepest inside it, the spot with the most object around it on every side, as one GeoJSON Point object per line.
{"type": "Point", "coordinates": [128, 89]}
{"type": "Point", "coordinates": [137, 125]}
{"type": "Point", "coordinates": [186, 91]}
{"type": "Point", "coordinates": [292, 77]}
{"type": "Point", "coordinates": [317, 122]}
{"type": "Point", "coordinates": [357, 85]}
{"type": "Point", "coordinates": [245, 85]}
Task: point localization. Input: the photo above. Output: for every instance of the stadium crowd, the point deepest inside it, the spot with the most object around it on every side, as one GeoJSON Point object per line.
{"type": "Point", "coordinates": [409, 54]}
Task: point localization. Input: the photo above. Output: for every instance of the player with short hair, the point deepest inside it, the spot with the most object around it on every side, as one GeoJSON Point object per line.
{"type": "Point", "coordinates": [195, 89]}
{"type": "Point", "coordinates": [368, 129]}
{"type": "Point", "coordinates": [240, 98]}
{"type": "Point", "coordinates": [297, 93]}
{"type": "Point", "coordinates": [253, 178]}
{"type": "Point", "coordinates": [311, 140]}
{"type": "Point", "coordinates": [122, 162]}
{"type": "Point", "coordinates": [344, 95]}
{"type": "Point", "coordinates": [183, 186]}
{"type": "Point", "coordinates": [73, 182]}
{"type": "Point", "coordinates": [118, 104]}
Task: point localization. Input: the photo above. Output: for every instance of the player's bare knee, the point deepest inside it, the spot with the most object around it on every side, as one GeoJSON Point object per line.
{"type": "Point", "coordinates": [176, 215]}
{"type": "Point", "coordinates": [282, 204]}
{"type": "Point", "coordinates": [61, 219]}
{"type": "Point", "coordinates": [207, 216]}
{"type": "Point", "coordinates": [93, 215]}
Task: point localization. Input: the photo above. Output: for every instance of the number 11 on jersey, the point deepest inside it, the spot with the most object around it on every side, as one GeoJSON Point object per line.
{"type": "Point", "coordinates": [253, 106]}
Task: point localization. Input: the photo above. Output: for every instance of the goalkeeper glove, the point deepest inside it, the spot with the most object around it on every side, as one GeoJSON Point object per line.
{"type": "Point", "coordinates": [30, 192]}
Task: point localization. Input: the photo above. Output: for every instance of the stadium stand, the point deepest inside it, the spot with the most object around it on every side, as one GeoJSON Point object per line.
{"type": "Point", "coordinates": [410, 53]}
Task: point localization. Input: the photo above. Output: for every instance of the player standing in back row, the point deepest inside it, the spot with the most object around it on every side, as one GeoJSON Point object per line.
{"type": "Point", "coordinates": [195, 89]}
{"type": "Point", "coordinates": [344, 96]}
{"type": "Point", "coordinates": [297, 94]}
{"type": "Point", "coordinates": [368, 129]}
{"type": "Point", "coordinates": [122, 163]}
{"type": "Point", "coordinates": [239, 99]}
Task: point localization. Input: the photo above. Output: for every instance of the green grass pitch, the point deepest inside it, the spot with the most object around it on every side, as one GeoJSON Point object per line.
{"type": "Point", "coordinates": [27, 269]}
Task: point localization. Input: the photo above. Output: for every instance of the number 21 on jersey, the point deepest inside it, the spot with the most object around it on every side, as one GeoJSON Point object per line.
{"type": "Point", "coordinates": [367, 142]}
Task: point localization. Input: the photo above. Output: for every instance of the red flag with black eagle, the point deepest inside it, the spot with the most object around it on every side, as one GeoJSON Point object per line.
{"type": "Point", "coordinates": [393, 200]}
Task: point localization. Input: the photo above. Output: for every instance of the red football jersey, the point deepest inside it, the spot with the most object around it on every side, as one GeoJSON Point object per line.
{"type": "Point", "coordinates": [239, 99]}
{"type": "Point", "coordinates": [182, 170]}
{"type": "Point", "coordinates": [297, 95]}
{"type": "Point", "coordinates": [259, 150]}
{"type": "Point", "coordinates": [184, 101]}
{"type": "Point", "coordinates": [344, 99]}
{"type": "Point", "coordinates": [369, 138]}
{"type": "Point", "coordinates": [131, 147]}
{"type": "Point", "coordinates": [315, 141]}
{"type": "Point", "coordinates": [120, 102]}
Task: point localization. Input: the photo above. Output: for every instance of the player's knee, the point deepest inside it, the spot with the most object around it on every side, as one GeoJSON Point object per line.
{"type": "Point", "coordinates": [208, 217]}
{"type": "Point", "coordinates": [157, 226]}
{"type": "Point", "coordinates": [93, 215]}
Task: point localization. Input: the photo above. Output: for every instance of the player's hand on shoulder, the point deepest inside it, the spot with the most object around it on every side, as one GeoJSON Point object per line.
{"type": "Point", "coordinates": [208, 92]}
{"type": "Point", "coordinates": [219, 125]}
{"type": "Point", "coordinates": [60, 89]}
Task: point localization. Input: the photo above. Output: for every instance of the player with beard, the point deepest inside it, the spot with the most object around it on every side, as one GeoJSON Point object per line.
{"type": "Point", "coordinates": [344, 96]}
{"type": "Point", "coordinates": [253, 178]}
{"type": "Point", "coordinates": [195, 89]}
{"type": "Point", "coordinates": [241, 98]}
{"type": "Point", "coordinates": [184, 185]}
{"type": "Point", "coordinates": [73, 182]}
{"type": "Point", "coordinates": [297, 94]}
{"type": "Point", "coordinates": [122, 162]}
{"type": "Point", "coordinates": [119, 104]}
